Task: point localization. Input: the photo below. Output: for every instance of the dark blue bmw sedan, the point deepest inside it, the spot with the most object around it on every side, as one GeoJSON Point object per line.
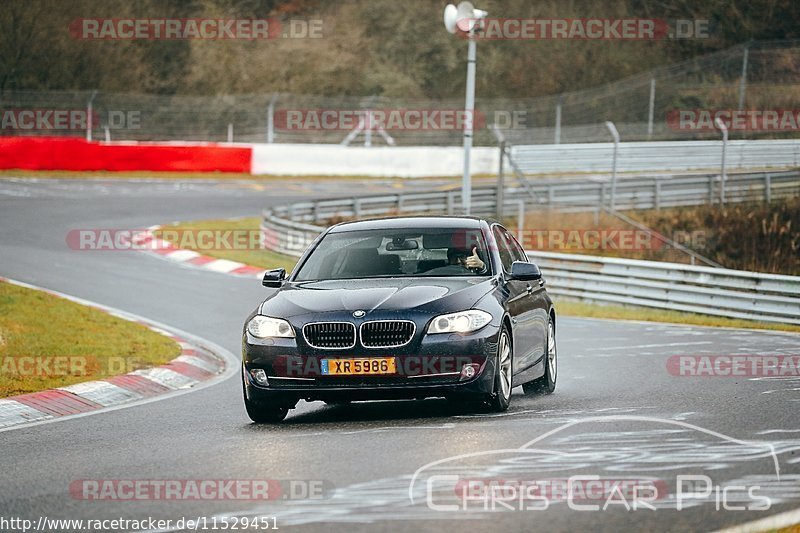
{"type": "Point", "coordinates": [407, 307]}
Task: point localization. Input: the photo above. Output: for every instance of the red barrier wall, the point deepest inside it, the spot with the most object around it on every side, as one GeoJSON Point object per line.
{"type": "Point", "coordinates": [60, 153]}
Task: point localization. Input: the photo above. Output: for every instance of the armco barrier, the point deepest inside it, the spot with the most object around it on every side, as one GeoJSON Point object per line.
{"type": "Point", "coordinates": [69, 153]}
{"type": "Point", "coordinates": [672, 156]}
{"type": "Point", "coordinates": [657, 191]}
{"type": "Point", "coordinates": [673, 286]}
{"type": "Point", "coordinates": [641, 192]}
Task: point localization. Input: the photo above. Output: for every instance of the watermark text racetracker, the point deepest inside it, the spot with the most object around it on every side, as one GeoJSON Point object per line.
{"type": "Point", "coordinates": [117, 239]}
{"type": "Point", "coordinates": [42, 119]}
{"type": "Point", "coordinates": [405, 119]}
{"type": "Point", "coordinates": [201, 239]}
{"type": "Point", "coordinates": [133, 490]}
{"type": "Point", "coordinates": [194, 28]}
{"type": "Point", "coordinates": [65, 365]}
{"type": "Point", "coordinates": [747, 120]}
{"type": "Point", "coordinates": [622, 29]}
{"type": "Point", "coordinates": [734, 365]}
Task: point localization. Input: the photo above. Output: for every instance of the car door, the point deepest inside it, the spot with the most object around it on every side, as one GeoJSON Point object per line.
{"type": "Point", "coordinates": [539, 308]}
{"type": "Point", "coordinates": [519, 303]}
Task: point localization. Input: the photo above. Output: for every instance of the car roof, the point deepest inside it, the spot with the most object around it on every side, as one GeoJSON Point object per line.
{"type": "Point", "coordinates": [421, 222]}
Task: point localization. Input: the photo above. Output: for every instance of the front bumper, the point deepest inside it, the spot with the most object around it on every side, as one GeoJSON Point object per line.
{"type": "Point", "coordinates": [429, 367]}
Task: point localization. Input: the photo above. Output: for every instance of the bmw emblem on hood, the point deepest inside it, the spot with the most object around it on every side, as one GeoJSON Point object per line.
{"type": "Point", "coordinates": [359, 313]}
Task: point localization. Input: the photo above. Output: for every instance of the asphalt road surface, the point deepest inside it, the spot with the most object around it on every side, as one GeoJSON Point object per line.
{"type": "Point", "coordinates": [617, 413]}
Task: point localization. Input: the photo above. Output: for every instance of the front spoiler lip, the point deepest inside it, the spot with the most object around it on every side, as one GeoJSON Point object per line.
{"type": "Point", "coordinates": [481, 385]}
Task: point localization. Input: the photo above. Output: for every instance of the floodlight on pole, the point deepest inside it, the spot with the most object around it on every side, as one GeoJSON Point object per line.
{"type": "Point", "coordinates": [465, 18]}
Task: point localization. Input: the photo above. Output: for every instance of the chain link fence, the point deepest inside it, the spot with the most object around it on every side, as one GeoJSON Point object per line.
{"type": "Point", "coordinates": [751, 76]}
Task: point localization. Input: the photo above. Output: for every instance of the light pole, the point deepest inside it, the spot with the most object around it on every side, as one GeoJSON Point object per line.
{"type": "Point", "coordinates": [467, 19]}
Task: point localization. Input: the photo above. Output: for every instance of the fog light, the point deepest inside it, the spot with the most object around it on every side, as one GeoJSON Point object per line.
{"type": "Point", "coordinates": [260, 376]}
{"type": "Point", "coordinates": [469, 371]}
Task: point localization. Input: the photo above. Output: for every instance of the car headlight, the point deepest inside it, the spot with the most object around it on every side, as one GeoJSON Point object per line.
{"type": "Point", "coordinates": [461, 322]}
{"type": "Point", "coordinates": [265, 326]}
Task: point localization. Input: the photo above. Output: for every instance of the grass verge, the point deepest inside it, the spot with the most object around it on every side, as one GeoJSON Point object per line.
{"type": "Point", "coordinates": [620, 312]}
{"type": "Point", "coordinates": [255, 257]}
{"type": "Point", "coordinates": [47, 342]}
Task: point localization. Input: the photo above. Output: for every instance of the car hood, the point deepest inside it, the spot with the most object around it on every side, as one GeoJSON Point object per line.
{"type": "Point", "coordinates": [390, 294]}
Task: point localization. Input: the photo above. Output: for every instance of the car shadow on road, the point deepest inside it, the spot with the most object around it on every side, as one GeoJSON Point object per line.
{"type": "Point", "coordinates": [375, 411]}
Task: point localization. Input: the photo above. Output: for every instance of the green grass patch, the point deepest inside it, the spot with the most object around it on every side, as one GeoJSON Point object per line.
{"type": "Point", "coordinates": [47, 342]}
{"type": "Point", "coordinates": [620, 312]}
{"type": "Point", "coordinates": [256, 257]}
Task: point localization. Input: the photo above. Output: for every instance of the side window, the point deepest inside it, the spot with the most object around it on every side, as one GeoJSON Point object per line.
{"type": "Point", "coordinates": [519, 252]}
{"type": "Point", "coordinates": [504, 247]}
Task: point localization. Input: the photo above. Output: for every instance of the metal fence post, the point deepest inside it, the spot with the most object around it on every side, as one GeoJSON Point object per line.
{"type": "Point", "coordinates": [368, 129]}
{"type": "Point", "coordinates": [230, 132]}
{"type": "Point", "coordinates": [743, 79]}
{"type": "Point", "coordinates": [724, 171]}
{"type": "Point", "coordinates": [657, 201]}
{"type": "Point", "coordinates": [356, 207]}
{"type": "Point", "coordinates": [499, 195]}
{"type": "Point", "coordinates": [651, 109]}
{"type": "Point", "coordinates": [271, 118]}
{"type": "Point", "coordinates": [711, 189]}
{"type": "Point", "coordinates": [615, 134]}
{"type": "Point", "coordinates": [89, 117]}
{"type": "Point", "coordinates": [602, 201]}
{"type": "Point", "coordinates": [520, 219]}
{"type": "Point", "coordinates": [557, 135]}
{"type": "Point", "coordinates": [768, 187]}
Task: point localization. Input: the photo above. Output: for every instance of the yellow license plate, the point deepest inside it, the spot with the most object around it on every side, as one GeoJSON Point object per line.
{"type": "Point", "coordinates": [355, 367]}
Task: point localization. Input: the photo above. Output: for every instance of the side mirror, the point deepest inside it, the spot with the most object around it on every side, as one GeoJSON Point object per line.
{"type": "Point", "coordinates": [525, 271]}
{"type": "Point", "coordinates": [274, 278]}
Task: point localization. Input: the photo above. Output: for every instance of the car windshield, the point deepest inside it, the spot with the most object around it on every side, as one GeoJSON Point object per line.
{"type": "Point", "coordinates": [385, 253]}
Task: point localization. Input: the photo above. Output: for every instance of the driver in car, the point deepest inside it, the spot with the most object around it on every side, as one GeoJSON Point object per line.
{"type": "Point", "coordinates": [457, 256]}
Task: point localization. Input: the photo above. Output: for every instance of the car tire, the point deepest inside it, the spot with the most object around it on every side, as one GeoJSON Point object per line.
{"type": "Point", "coordinates": [503, 376]}
{"type": "Point", "coordinates": [264, 413]}
{"type": "Point", "coordinates": [547, 383]}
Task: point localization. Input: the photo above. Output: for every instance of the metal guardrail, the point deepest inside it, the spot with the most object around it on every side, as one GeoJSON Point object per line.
{"type": "Point", "coordinates": [643, 192]}
{"type": "Point", "coordinates": [291, 228]}
{"type": "Point", "coordinates": [729, 293]}
{"type": "Point", "coordinates": [661, 191]}
{"type": "Point", "coordinates": [672, 286]}
{"type": "Point", "coordinates": [675, 156]}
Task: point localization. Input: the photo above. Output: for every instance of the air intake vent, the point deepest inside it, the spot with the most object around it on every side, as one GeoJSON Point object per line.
{"type": "Point", "coordinates": [387, 333]}
{"type": "Point", "coordinates": [330, 335]}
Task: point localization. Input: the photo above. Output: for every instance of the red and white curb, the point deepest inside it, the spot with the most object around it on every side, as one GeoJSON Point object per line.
{"type": "Point", "coordinates": [146, 241]}
{"type": "Point", "coordinates": [200, 363]}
